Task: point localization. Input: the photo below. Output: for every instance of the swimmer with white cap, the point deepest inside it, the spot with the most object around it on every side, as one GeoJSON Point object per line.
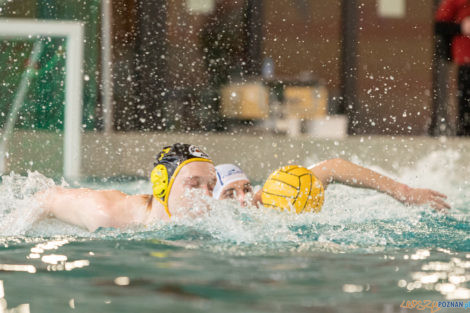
{"type": "Point", "coordinates": [232, 183]}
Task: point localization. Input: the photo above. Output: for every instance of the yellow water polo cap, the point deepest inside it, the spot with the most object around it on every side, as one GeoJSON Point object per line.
{"type": "Point", "coordinates": [169, 162]}
{"type": "Point", "coordinates": [293, 188]}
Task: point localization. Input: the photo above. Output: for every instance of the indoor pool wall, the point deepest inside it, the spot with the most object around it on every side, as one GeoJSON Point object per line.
{"type": "Point", "coordinates": [132, 154]}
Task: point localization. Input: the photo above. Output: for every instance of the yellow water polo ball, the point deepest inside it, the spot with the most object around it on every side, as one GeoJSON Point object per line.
{"type": "Point", "coordinates": [293, 188]}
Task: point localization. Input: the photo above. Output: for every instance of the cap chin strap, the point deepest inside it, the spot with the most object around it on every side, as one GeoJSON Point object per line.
{"type": "Point", "coordinates": [164, 202]}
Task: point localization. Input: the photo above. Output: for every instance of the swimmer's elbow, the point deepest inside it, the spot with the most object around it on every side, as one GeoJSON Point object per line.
{"type": "Point", "coordinates": [329, 165]}
{"type": "Point", "coordinates": [326, 170]}
{"type": "Point", "coordinates": [335, 162]}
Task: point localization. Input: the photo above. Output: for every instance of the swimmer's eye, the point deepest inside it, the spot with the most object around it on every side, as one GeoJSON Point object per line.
{"type": "Point", "coordinates": [247, 188]}
{"type": "Point", "coordinates": [211, 186]}
{"type": "Point", "coordinates": [229, 194]}
{"type": "Point", "coordinates": [193, 184]}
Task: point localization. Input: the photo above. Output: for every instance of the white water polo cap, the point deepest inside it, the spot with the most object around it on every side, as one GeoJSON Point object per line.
{"type": "Point", "coordinates": [226, 174]}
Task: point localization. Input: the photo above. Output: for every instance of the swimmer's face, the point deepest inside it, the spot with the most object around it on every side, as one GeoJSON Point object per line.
{"type": "Point", "coordinates": [237, 190]}
{"type": "Point", "coordinates": [194, 175]}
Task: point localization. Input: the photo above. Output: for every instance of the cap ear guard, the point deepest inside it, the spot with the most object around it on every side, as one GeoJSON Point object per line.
{"type": "Point", "coordinates": [159, 179]}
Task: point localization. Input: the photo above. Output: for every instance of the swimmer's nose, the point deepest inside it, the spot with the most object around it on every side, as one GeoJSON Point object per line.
{"type": "Point", "coordinates": [241, 198]}
{"type": "Point", "coordinates": [207, 190]}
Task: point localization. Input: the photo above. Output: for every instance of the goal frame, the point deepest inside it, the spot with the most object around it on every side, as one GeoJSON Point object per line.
{"type": "Point", "coordinates": [73, 32]}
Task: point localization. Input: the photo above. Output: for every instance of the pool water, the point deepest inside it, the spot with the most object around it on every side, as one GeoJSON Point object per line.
{"type": "Point", "coordinates": [364, 252]}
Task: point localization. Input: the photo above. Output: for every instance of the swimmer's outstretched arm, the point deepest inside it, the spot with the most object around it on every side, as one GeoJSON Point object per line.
{"type": "Point", "coordinates": [342, 171]}
{"type": "Point", "coordinates": [87, 208]}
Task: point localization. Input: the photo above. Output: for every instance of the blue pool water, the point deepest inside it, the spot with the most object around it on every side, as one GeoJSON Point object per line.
{"type": "Point", "coordinates": [364, 252]}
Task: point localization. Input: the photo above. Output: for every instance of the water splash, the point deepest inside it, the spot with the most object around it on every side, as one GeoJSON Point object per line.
{"type": "Point", "coordinates": [18, 209]}
{"type": "Point", "coordinates": [351, 220]}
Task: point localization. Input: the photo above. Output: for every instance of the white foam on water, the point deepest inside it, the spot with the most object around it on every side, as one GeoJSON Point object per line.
{"type": "Point", "coordinates": [18, 208]}
{"type": "Point", "coordinates": [350, 217]}
{"type": "Point", "coordinates": [445, 171]}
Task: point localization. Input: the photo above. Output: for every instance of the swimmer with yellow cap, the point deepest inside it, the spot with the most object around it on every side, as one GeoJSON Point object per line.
{"type": "Point", "coordinates": [233, 183]}
{"type": "Point", "coordinates": [178, 168]}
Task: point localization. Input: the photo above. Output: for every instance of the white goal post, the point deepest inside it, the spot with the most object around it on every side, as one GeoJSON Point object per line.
{"type": "Point", "coordinates": [73, 32]}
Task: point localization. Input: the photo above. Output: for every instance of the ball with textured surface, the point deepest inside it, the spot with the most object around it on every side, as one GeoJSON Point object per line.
{"type": "Point", "coordinates": [293, 188]}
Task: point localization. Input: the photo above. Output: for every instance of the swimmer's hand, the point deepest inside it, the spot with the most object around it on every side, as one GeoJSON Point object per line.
{"type": "Point", "coordinates": [418, 196]}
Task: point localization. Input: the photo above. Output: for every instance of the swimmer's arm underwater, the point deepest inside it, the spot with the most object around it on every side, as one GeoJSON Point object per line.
{"type": "Point", "coordinates": [89, 208]}
{"type": "Point", "coordinates": [342, 171]}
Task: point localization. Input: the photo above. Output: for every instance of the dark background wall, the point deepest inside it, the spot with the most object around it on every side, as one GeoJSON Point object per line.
{"type": "Point", "coordinates": [304, 38]}
{"type": "Point", "coordinates": [394, 70]}
{"type": "Point", "coordinates": [164, 80]}
{"type": "Point", "coordinates": [393, 58]}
